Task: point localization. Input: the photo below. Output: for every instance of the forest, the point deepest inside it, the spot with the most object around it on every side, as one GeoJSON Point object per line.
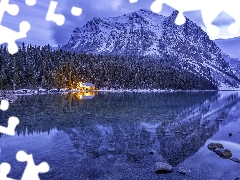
{"type": "Point", "coordinates": [36, 67]}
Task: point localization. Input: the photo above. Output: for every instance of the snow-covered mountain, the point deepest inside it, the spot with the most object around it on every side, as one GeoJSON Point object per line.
{"type": "Point", "coordinates": [231, 53]}
{"type": "Point", "coordinates": [144, 33]}
{"type": "Point", "coordinates": [230, 46]}
{"type": "Point", "coordinates": [234, 64]}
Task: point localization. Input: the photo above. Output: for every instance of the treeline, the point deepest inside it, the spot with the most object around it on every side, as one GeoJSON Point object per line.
{"type": "Point", "coordinates": [35, 67]}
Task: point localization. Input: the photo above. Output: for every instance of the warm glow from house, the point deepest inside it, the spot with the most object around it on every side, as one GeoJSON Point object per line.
{"type": "Point", "coordinates": [85, 95]}
{"type": "Point", "coordinates": [79, 85]}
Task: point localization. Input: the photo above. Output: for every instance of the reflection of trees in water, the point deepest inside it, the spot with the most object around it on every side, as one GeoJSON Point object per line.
{"type": "Point", "coordinates": [41, 113]}
{"type": "Point", "coordinates": [112, 123]}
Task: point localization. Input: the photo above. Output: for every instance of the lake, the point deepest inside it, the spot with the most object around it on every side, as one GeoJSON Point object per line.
{"type": "Point", "coordinates": [121, 135]}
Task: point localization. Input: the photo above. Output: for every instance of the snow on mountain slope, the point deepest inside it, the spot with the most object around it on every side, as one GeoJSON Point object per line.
{"type": "Point", "coordinates": [144, 33]}
{"type": "Point", "coordinates": [233, 63]}
{"type": "Point", "coordinates": [135, 32]}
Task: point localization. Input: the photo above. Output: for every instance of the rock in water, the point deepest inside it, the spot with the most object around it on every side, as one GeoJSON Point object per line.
{"type": "Point", "coordinates": [183, 170]}
{"type": "Point", "coordinates": [213, 146]}
{"type": "Point", "coordinates": [235, 160]}
{"type": "Point", "coordinates": [223, 153]}
{"type": "Point", "coordinates": [161, 167]}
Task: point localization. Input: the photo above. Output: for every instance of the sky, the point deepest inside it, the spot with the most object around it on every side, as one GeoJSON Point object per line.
{"type": "Point", "coordinates": [231, 48]}
{"type": "Point", "coordinates": [44, 32]}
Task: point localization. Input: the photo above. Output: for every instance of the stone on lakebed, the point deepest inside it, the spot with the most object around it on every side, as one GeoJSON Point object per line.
{"type": "Point", "coordinates": [183, 170]}
{"type": "Point", "coordinates": [161, 167]}
{"type": "Point", "coordinates": [223, 153]}
{"type": "Point", "coordinates": [213, 146]}
{"type": "Point", "coordinates": [235, 160]}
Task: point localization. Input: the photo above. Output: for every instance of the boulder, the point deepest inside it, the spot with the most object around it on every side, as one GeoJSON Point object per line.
{"type": "Point", "coordinates": [161, 167]}
{"type": "Point", "coordinates": [223, 153]}
{"type": "Point", "coordinates": [213, 146]}
{"type": "Point", "coordinates": [235, 160]}
{"type": "Point", "coordinates": [111, 149]}
{"type": "Point", "coordinates": [183, 170]}
{"type": "Point", "coordinates": [153, 152]}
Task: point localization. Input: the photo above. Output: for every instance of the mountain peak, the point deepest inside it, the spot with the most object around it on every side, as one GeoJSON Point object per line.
{"type": "Point", "coordinates": [146, 11]}
{"type": "Point", "coordinates": [174, 13]}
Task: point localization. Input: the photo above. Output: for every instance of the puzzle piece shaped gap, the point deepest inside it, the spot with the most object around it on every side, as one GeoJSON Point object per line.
{"type": "Point", "coordinates": [59, 19]}
{"type": "Point", "coordinates": [133, 1]}
{"type": "Point", "coordinates": [9, 36]}
{"type": "Point", "coordinates": [30, 2]}
{"type": "Point", "coordinates": [12, 121]}
{"type": "Point", "coordinates": [10, 129]}
{"type": "Point", "coordinates": [209, 9]}
{"type": "Point", "coordinates": [76, 11]}
{"type": "Point", "coordinates": [12, 9]}
{"type": "Point", "coordinates": [4, 105]}
{"type": "Point", "coordinates": [31, 171]}
{"type": "Point", "coordinates": [4, 170]}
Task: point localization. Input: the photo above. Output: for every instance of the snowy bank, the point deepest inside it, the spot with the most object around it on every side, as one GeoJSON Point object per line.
{"type": "Point", "coordinates": [12, 95]}
{"type": "Point", "coordinates": [7, 95]}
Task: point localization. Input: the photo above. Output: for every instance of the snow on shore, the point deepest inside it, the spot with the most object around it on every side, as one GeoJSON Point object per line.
{"type": "Point", "coordinates": [12, 95]}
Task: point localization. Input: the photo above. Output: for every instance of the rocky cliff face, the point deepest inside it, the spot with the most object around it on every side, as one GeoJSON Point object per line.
{"type": "Point", "coordinates": [234, 64]}
{"type": "Point", "coordinates": [137, 32]}
{"type": "Point", "coordinates": [144, 33]}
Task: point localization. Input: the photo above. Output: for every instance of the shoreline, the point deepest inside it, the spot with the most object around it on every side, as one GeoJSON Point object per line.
{"type": "Point", "coordinates": [12, 95]}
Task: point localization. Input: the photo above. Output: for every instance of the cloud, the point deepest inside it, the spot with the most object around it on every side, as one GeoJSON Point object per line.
{"type": "Point", "coordinates": [43, 32]}
{"type": "Point", "coordinates": [102, 5]}
{"type": "Point", "coordinates": [40, 32]}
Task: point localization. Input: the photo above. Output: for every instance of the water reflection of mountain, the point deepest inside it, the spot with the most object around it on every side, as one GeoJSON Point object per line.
{"type": "Point", "coordinates": [176, 125]}
{"type": "Point", "coordinates": [193, 127]}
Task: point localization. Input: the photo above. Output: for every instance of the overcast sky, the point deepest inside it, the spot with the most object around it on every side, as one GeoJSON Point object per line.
{"type": "Point", "coordinates": [43, 32]}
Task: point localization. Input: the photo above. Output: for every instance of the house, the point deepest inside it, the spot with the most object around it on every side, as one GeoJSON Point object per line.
{"type": "Point", "coordinates": [86, 86]}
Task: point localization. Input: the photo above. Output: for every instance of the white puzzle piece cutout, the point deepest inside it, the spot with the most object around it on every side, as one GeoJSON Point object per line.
{"type": "Point", "coordinates": [4, 170]}
{"type": "Point", "coordinates": [4, 105]}
{"type": "Point", "coordinates": [7, 35]}
{"type": "Point", "coordinates": [12, 121]}
{"type": "Point", "coordinates": [12, 124]}
{"type": "Point", "coordinates": [76, 11]}
{"type": "Point", "coordinates": [31, 171]}
{"type": "Point", "coordinates": [210, 9]}
{"type": "Point", "coordinates": [133, 1]}
{"type": "Point", "coordinates": [59, 19]}
{"type": "Point", "coordinates": [30, 2]}
{"type": "Point", "coordinates": [12, 9]}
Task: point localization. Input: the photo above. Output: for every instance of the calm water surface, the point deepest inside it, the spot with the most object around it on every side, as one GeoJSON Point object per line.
{"type": "Point", "coordinates": [121, 135]}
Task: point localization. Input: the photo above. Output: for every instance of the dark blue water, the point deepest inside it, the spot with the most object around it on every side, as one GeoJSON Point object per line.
{"type": "Point", "coordinates": [121, 135]}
